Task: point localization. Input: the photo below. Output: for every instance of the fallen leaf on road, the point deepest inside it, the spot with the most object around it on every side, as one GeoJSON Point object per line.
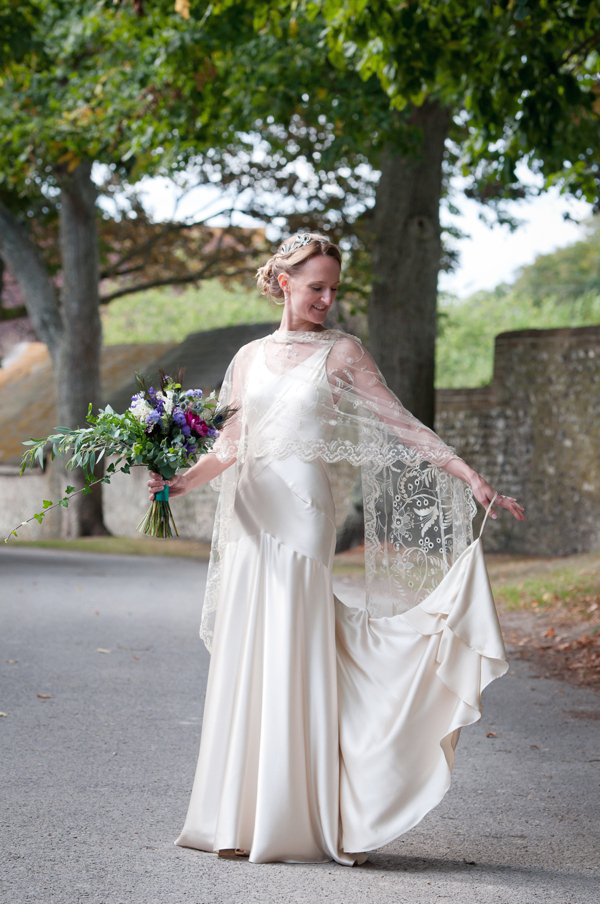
{"type": "Point", "coordinates": [100, 650]}
{"type": "Point", "coordinates": [533, 747]}
{"type": "Point", "coordinates": [491, 734]}
{"type": "Point", "coordinates": [550, 632]}
{"type": "Point", "coordinates": [12, 661]}
{"type": "Point", "coordinates": [44, 696]}
{"type": "Point", "coordinates": [3, 714]}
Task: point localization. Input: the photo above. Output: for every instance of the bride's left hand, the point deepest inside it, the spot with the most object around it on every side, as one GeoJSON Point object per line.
{"type": "Point", "coordinates": [484, 494]}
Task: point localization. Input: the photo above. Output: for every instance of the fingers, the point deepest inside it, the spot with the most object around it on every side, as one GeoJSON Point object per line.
{"type": "Point", "coordinates": [156, 484]}
{"type": "Point", "coordinates": [157, 481]}
{"type": "Point", "coordinates": [511, 504]}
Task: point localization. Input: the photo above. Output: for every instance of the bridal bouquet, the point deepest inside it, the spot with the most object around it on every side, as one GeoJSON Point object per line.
{"type": "Point", "coordinates": [163, 430]}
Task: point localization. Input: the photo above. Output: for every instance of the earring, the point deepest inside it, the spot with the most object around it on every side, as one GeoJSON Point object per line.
{"type": "Point", "coordinates": [279, 302]}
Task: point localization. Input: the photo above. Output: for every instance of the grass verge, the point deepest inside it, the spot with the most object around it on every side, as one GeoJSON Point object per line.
{"type": "Point", "coordinates": [127, 546]}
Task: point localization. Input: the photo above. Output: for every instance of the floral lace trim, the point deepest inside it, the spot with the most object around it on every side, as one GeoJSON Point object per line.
{"type": "Point", "coordinates": [308, 336]}
{"type": "Point", "coordinates": [372, 452]}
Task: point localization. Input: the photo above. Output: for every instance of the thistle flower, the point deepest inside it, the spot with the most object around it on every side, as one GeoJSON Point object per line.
{"type": "Point", "coordinates": [179, 417]}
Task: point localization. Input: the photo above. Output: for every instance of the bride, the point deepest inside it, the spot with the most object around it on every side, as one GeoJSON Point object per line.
{"type": "Point", "coordinates": [329, 731]}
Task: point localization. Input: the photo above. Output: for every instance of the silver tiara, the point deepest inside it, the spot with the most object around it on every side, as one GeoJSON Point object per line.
{"type": "Point", "coordinates": [304, 239]}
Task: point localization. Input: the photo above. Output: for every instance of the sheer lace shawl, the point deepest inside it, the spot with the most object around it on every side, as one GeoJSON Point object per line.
{"type": "Point", "coordinates": [321, 395]}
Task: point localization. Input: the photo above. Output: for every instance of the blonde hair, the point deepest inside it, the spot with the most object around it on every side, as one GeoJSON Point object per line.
{"type": "Point", "coordinates": [291, 262]}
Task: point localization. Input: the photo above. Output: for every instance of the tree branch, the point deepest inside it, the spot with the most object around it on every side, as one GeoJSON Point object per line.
{"type": "Point", "coordinates": [196, 276]}
{"type": "Point", "coordinates": [581, 51]}
{"type": "Point", "coordinates": [144, 248]}
{"type": "Point", "coordinates": [114, 270]}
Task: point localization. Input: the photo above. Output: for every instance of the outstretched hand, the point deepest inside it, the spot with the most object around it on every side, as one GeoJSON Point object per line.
{"type": "Point", "coordinates": [484, 494]}
{"type": "Point", "coordinates": [177, 485]}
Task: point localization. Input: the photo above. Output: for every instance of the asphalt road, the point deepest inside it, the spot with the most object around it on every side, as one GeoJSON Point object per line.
{"type": "Point", "coordinates": [96, 775]}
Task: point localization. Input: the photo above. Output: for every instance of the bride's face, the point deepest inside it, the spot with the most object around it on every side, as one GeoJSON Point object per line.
{"type": "Point", "coordinates": [311, 292]}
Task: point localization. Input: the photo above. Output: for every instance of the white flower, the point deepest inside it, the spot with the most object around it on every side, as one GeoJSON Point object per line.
{"type": "Point", "coordinates": [140, 409]}
{"type": "Point", "coordinates": [168, 399]}
{"type": "Point", "coordinates": [169, 402]}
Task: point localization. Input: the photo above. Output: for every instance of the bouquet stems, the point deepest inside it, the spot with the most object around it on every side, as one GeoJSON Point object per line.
{"type": "Point", "coordinates": [158, 520]}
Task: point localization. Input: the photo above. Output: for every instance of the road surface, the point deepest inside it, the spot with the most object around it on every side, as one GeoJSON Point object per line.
{"type": "Point", "coordinates": [103, 677]}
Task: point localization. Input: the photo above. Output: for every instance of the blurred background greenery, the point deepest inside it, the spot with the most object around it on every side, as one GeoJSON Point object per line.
{"type": "Point", "coordinates": [169, 315]}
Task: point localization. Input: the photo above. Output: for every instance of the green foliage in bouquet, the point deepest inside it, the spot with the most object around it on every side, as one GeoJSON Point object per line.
{"type": "Point", "coordinates": [162, 430]}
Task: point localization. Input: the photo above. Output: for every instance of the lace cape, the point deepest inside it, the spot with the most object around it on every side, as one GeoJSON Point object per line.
{"type": "Point", "coordinates": [331, 402]}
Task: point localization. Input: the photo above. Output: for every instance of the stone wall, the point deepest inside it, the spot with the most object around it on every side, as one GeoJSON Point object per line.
{"type": "Point", "coordinates": [534, 433]}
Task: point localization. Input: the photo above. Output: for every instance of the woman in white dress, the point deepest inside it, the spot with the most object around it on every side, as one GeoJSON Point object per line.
{"type": "Point", "coordinates": [328, 731]}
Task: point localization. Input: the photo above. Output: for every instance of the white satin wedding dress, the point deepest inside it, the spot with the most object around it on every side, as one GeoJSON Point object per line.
{"type": "Point", "coordinates": [326, 731]}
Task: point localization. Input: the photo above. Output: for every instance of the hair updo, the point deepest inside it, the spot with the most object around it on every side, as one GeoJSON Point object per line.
{"type": "Point", "coordinates": [292, 262]}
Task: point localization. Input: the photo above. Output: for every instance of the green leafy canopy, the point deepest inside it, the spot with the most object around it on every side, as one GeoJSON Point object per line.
{"type": "Point", "coordinates": [94, 81]}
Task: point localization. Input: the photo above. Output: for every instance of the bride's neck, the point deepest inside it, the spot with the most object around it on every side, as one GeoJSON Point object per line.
{"type": "Point", "coordinates": [287, 327]}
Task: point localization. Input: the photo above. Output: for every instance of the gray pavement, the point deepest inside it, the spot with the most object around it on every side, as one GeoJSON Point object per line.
{"type": "Point", "coordinates": [96, 776]}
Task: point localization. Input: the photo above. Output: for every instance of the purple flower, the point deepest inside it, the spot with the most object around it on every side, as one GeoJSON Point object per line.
{"type": "Point", "coordinates": [189, 449]}
{"type": "Point", "coordinates": [159, 404]}
{"type": "Point", "coordinates": [191, 394]}
{"type": "Point", "coordinates": [186, 430]}
{"type": "Point", "coordinates": [152, 420]}
{"type": "Point", "coordinates": [179, 417]}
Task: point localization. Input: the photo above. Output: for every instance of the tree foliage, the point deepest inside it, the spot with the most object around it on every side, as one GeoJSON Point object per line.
{"type": "Point", "coordinates": [523, 76]}
{"type": "Point", "coordinates": [105, 84]}
{"type": "Point", "coordinates": [566, 274]}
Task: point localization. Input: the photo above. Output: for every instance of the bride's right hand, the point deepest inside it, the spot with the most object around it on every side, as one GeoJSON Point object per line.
{"type": "Point", "coordinates": [178, 485]}
{"type": "Point", "coordinates": [484, 494]}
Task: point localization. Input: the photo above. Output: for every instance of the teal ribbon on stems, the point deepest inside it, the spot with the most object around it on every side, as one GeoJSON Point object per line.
{"type": "Point", "coordinates": [163, 496]}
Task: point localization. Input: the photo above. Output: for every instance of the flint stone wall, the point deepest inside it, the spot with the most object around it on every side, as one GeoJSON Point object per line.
{"type": "Point", "coordinates": [534, 433]}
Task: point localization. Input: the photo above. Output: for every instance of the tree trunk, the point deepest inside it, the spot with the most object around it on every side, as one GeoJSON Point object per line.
{"type": "Point", "coordinates": [26, 265]}
{"type": "Point", "coordinates": [73, 335]}
{"type": "Point", "coordinates": [406, 261]}
{"type": "Point", "coordinates": [78, 365]}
